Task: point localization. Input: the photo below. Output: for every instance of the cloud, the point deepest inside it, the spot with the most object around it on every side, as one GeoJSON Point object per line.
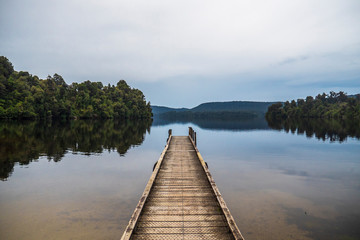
{"type": "Point", "coordinates": [168, 41]}
{"type": "Point", "coordinates": [293, 60]}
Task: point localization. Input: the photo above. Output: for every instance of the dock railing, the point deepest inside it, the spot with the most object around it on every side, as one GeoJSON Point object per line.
{"type": "Point", "coordinates": [192, 134]}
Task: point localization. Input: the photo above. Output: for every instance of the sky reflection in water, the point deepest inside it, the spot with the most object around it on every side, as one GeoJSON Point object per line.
{"type": "Point", "coordinates": [277, 185]}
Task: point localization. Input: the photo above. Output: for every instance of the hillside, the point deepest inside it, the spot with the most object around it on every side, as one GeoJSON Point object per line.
{"type": "Point", "coordinates": [161, 109]}
{"type": "Point", "coordinates": [233, 106]}
{"type": "Point", "coordinates": [258, 108]}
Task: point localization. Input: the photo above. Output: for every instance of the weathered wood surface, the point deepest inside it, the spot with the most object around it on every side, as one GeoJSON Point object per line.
{"type": "Point", "coordinates": [181, 200]}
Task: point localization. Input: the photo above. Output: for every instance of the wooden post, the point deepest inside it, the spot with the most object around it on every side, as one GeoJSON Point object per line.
{"type": "Point", "coordinates": [192, 134]}
{"type": "Point", "coordinates": [195, 138]}
{"type": "Point", "coordinates": [170, 133]}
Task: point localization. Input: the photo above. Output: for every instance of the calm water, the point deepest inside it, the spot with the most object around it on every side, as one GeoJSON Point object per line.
{"type": "Point", "coordinates": [83, 179]}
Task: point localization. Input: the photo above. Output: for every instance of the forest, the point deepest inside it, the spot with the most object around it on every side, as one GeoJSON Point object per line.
{"type": "Point", "coordinates": [327, 106]}
{"type": "Point", "coordinates": [24, 96]}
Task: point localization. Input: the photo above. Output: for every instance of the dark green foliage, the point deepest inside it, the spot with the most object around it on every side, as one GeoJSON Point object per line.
{"type": "Point", "coordinates": [276, 110]}
{"type": "Point", "coordinates": [6, 68]}
{"type": "Point", "coordinates": [25, 96]}
{"type": "Point", "coordinates": [25, 141]}
{"type": "Point", "coordinates": [330, 106]}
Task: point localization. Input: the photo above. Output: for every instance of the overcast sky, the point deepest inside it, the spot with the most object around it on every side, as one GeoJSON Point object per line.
{"type": "Point", "coordinates": [182, 53]}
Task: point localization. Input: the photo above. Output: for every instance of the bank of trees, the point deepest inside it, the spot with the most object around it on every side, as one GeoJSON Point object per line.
{"type": "Point", "coordinates": [331, 106]}
{"type": "Point", "coordinates": [23, 95]}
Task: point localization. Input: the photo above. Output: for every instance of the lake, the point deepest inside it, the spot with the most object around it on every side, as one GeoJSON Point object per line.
{"type": "Point", "coordinates": [82, 179]}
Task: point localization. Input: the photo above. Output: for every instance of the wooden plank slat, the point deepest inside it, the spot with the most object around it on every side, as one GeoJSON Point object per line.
{"type": "Point", "coordinates": [181, 200]}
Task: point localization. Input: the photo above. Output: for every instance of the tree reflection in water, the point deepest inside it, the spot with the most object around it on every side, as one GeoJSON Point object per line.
{"type": "Point", "coordinates": [25, 141]}
{"type": "Point", "coordinates": [322, 129]}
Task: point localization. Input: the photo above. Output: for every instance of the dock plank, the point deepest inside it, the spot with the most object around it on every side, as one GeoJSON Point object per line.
{"type": "Point", "coordinates": [181, 202]}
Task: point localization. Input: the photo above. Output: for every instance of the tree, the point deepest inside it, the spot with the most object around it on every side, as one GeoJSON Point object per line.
{"type": "Point", "coordinates": [334, 105]}
{"type": "Point", "coordinates": [6, 67]}
{"type": "Point", "coordinates": [27, 96]}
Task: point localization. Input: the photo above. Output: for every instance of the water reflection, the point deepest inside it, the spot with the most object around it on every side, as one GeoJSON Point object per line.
{"type": "Point", "coordinates": [277, 185]}
{"type": "Point", "coordinates": [23, 142]}
{"type": "Point", "coordinates": [322, 129]}
{"type": "Point", "coordinates": [320, 228]}
{"type": "Point", "coordinates": [230, 124]}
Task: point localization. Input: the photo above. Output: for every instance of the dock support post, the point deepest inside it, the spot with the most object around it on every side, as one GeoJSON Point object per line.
{"type": "Point", "coordinates": [195, 138]}
{"type": "Point", "coordinates": [170, 133]}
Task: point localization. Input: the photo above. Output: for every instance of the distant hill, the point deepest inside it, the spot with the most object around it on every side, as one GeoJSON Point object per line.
{"type": "Point", "coordinates": [161, 109]}
{"type": "Point", "coordinates": [211, 107]}
{"type": "Point", "coordinates": [233, 106]}
{"type": "Point", "coordinates": [354, 96]}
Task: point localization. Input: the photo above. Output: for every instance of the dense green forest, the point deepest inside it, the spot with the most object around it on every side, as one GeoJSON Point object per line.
{"type": "Point", "coordinates": [23, 95]}
{"type": "Point", "coordinates": [330, 106]}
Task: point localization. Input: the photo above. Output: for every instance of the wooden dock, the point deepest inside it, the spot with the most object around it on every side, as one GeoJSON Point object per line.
{"type": "Point", "coordinates": [181, 200]}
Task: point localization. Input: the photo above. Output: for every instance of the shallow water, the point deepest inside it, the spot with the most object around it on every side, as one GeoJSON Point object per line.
{"type": "Point", "coordinates": [277, 185]}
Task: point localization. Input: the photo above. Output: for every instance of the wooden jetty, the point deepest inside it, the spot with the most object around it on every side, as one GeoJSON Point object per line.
{"type": "Point", "coordinates": [181, 200]}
